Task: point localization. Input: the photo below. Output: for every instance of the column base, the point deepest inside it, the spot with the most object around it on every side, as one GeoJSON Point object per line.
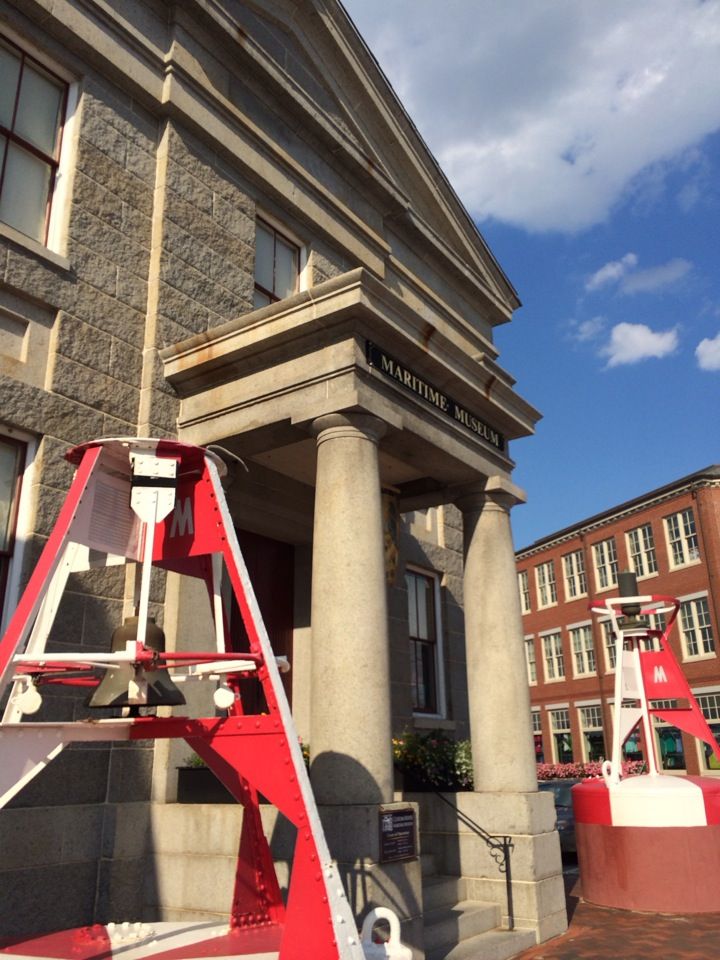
{"type": "Point", "coordinates": [353, 836]}
{"type": "Point", "coordinates": [537, 890]}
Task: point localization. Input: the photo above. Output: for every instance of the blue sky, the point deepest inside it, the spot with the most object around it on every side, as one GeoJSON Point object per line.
{"type": "Point", "coordinates": [585, 141]}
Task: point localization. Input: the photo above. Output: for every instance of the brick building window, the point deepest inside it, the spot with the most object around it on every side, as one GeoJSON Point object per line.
{"type": "Point", "coordinates": [537, 736]}
{"type": "Point", "coordinates": [32, 107]}
{"type": "Point", "coordinates": [583, 650]}
{"type": "Point", "coordinates": [524, 588]}
{"type": "Point", "coordinates": [606, 567]}
{"type": "Point", "coordinates": [641, 550]}
{"type": "Point", "coordinates": [553, 656]}
{"type": "Point", "coordinates": [424, 633]}
{"type": "Point", "coordinates": [546, 586]}
{"type": "Point", "coordinates": [696, 629]}
{"type": "Point", "coordinates": [609, 643]}
{"type": "Point", "coordinates": [575, 579]}
{"type": "Point", "coordinates": [277, 265]}
{"type": "Point", "coordinates": [709, 703]}
{"type": "Point", "coordinates": [668, 739]}
{"type": "Point", "coordinates": [530, 660]}
{"type": "Point", "coordinates": [682, 538]}
{"type": "Point", "coordinates": [593, 736]}
{"type": "Point", "coordinates": [561, 738]}
{"type": "Point", "coordinates": [12, 462]}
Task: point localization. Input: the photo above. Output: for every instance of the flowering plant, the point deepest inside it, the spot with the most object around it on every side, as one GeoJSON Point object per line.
{"type": "Point", "coordinates": [434, 759]}
{"type": "Point", "coordinates": [566, 771]}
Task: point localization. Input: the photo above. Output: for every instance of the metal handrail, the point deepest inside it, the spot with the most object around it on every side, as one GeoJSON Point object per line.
{"type": "Point", "coordinates": [499, 847]}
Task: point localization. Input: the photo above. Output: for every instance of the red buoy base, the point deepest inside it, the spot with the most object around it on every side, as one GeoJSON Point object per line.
{"type": "Point", "coordinates": [652, 869]}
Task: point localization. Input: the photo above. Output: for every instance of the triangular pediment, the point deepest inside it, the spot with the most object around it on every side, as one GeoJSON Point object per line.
{"type": "Point", "coordinates": [316, 49]}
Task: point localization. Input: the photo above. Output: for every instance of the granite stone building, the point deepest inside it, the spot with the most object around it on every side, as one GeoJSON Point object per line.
{"type": "Point", "coordinates": [218, 223]}
{"type": "Point", "coordinates": [670, 538]}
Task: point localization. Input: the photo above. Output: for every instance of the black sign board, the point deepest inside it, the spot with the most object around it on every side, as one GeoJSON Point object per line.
{"type": "Point", "coordinates": [400, 374]}
{"type": "Point", "coordinates": [398, 835]}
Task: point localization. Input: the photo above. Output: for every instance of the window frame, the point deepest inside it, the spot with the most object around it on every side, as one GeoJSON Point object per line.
{"type": "Point", "coordinates": [558, 731]}
{"type": "Point", "coordinates": [574, 570]}
{"type": "Point", "coordinates": [440, 711]}
{"type": "Point", "coordinates": [531, 661]}
{"type": "Point", "coordinates": [605, 558]}
{"type": "Point", "coordinates": [279, 230]}
{"type": "Point", "coordinates": [640, 543]}
{"type": "Point", "coordinates": [711, 712]}
{"type": "Point", "coordinates": [52, 247]}
{"type": "Point", "coordinates": [688, 559]}
{"type": "Point", "coordinates": [556, 656]}
{"type": "Point", "coordinates": [22, 510]}
{"type": "Point", "coordinates": [546, 585]}
{"type": "Point", "coordinates": [585, 728]}
{"type": "Point", "coordinates": [578, 631]}
{"type": "Point", "coordinates": [524, 591]}
{"type": "Point", "coordinates": [699, 640]}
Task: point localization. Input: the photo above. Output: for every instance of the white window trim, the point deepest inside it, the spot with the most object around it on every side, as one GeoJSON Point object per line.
{"type": "Point", "coordinates": [583, 730]}
{"type": "Point", "coordinates": [523, 608]}
{"type": "Point", "coordinates": [628, 549]}
{"type": "Point", "coordinates": [695, 657]}
{"type": "Point", "coordinates": [526, 640]}
{"type": "Point", "coordinates": [538, 588]}
{"type": "Point", "coordinates": [439, 645]}
{"type": "Point", "coordinates": [552, 633]}
{"type": "Point", "coordinates": [576, 576]}
{"type": "Point", "coordinates": [596, 569]}
{"type": "Point", "coordinates": [586, 673]}
{"type": "Point", "coordinates": [56, 248]}
{"type": "Point", "coordinates": [606, 652]}
{"type": "Point", "coordinates": [668, 545]}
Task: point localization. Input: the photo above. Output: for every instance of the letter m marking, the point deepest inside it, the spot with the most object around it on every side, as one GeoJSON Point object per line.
{"type": "Point", "coordinates": [182, 521]}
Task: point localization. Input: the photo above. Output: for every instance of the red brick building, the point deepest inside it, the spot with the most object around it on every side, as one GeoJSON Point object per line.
{"type": "Point", "coordinates": [670, 537]}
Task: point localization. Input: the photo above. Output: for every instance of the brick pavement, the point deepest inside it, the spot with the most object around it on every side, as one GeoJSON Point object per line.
{"type": "Point", "coordinates": [601, 933]}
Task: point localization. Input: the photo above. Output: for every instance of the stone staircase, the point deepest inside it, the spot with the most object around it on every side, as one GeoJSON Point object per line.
{"type": "Point", "coordinates": [460, 929]}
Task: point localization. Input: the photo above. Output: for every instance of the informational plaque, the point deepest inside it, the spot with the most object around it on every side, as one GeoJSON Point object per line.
{"type": "Point", "coordinates": [398, 833]}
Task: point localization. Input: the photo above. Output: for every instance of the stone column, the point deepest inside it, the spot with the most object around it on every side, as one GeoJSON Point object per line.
{"type": "Point", "coordinates": [350, 717]}
{"type": "Point", "coordinates": [499, 698]}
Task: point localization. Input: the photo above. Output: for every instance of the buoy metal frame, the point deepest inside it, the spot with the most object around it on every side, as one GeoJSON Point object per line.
{"type": "Point", "coordinates": [160, 503]}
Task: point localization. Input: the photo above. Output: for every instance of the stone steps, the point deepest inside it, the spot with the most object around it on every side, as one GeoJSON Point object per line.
{"type": "Point", "coordinates": [460, 929]}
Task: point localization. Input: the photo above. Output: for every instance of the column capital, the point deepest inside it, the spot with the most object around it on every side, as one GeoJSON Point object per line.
{"type": "Point", "coordinates": [497, 491]}
{"type": "Point", "coordinates": [335, 426]}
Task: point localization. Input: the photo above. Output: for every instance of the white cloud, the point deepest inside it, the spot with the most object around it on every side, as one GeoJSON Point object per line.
{"type": "Point", "coordinates": [546, 112]}
{"type": "Point", "coordinates": [587, 329]}
{"type": "Point", "coordinates": [708, 353]}
{"type": "Point", "coordinates": [632, 342]}
{"type": "Point", "coordinates": [614, 270]}
{"type": "Point", "coordinates": [656, 278]}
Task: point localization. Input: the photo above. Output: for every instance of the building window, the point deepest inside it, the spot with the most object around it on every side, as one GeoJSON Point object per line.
{"type": "Point", "coordinates": [561, 738]}
{"type": "Point", "coordinates": [606, 568]}
{"type": "Point", "coordinates": [668, 739]}
{"type": "Point", "coordinates": [537, 736]}
{"type": "Point", "coordinates": [425, 665]}
{"type": "Point", "coordinates": [530, 660]}
{"type": "Point", "coordinates": [524, 588]}
{"type": "Point", "coordinates": [12, 462]}
{"type": "Point", "coordinates": [547, 590]}
{"type": "Point", "coordinates": [277, 265]}
{"type": "Point", "coordinates": [32, 107]}
{"type": "Point", "coordinates": [609, 643]}
{"type": "Point", "coordinates": [682, 538]}
{"type": "Point", "coordinates": [553, 656]}
{"type": "Point", "coordinates": [695, 628]}
{"type": "Point", "coordinates": [709, 703]}
{"type": "Point", "coordinates": [593, 737]}
{"type": "Point", "coordinates": [641, 550]}
{"type": "Point", "coordinates": [583, 650]}
{"type": "Point", "coordinates": [575, 579]}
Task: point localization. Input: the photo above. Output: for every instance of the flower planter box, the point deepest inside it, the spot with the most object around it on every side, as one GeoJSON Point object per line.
{"type": "Point", "coordinates": [200, 785]}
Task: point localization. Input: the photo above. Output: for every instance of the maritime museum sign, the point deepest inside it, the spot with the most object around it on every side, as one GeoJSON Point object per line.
{"type": "Point", "coordinates": [400, 374]}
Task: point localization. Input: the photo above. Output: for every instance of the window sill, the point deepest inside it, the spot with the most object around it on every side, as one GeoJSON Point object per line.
{"type": "Point", "coordinates": [32, 246]}
{"type": "Point", "coordinates": [584, 676]}
{"type": "Point", "coordinates": [683, 566]}
{"type": "Point", "coordinates": [547, 606]}
{"type": "Point", "coordinates": [648, 576]}
{"type": "Point", "coordinates": [555, 680]}
{"type": "Point", "coordinates": [700, 656]}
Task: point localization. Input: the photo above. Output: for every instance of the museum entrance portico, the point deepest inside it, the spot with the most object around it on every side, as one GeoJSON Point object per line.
{"type": "Point", "coordinates": [331, 397]}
